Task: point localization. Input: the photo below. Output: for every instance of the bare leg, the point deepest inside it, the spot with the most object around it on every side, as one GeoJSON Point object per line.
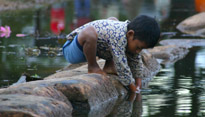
{"type": "Point", "coordinates": [88, 39]}
{"type": "Point", "coordinates": [109, 67]}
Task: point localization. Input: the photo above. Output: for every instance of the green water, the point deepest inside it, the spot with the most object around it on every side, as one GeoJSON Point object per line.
{"type": "Point", "coordinates": [177, 90]}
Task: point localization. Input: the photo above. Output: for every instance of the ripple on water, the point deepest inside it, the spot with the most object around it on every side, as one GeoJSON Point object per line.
{"type": "Point", "coordinates": [184, 105]}
{"type": "Point", "coordinates": [13, 45]}
{"type": "Point", "coordinates": [202, 98]}
{"type": "Point", "coordinates": [199, 61]}
{"type": "Point", "coordinates": [5, 80]}
{"type": "Point", "coordinates": [183, 92]}
{"type": "Point", "coordinates": [9, 53]}
{"type": "Point", "coordinates": [2, 47]}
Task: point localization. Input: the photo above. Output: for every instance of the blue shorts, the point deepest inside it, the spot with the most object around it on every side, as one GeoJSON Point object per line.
{"type": "Point", "coordinates": [73, 51]}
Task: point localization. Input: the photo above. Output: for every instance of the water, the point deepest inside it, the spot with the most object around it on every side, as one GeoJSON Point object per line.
{"type": "Point", "coordinates": [177, 90]}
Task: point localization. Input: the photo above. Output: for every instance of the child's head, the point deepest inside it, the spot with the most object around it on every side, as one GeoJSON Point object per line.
{"type": "Point", "coordinates": [143, 29]}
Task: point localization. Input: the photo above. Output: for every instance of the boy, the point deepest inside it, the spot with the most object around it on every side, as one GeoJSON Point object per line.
{"type": "Point", "coordinates": [119, 43]}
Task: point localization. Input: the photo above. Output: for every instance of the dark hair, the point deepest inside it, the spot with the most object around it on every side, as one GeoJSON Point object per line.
{"type": "Point", "coordinates": [145, 29]}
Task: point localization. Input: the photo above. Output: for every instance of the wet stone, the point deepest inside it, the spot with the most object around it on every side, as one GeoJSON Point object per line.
{"type": "Point", "coordinates": [193, 25]}
{"type": "Point", "coordinates": [83, 91]}
{"type": "Point", "coordinates": [37, 90]}
{"type": "Point", "coordinates": [20, 105]}
{"type": "Point", "coordinates": [93, 88]}
{"type": "Point", "coordinates": [150, 65]}
{"type": "Point", "coordinates": [184, 43]}
{"type": "Point", "coordinates": [169, 53]}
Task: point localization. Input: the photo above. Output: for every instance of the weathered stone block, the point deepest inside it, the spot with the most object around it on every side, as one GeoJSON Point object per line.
{"type": "Point", "coordinates": [83, 91]}
{"type": "Point", "coordinates": [194, 25]}
{"type": "Point", "coordinates": [169, 53]}
{"type": "Point", "coordinates": [92, 87]}
{"type": "Point", "coordinates": [174, 44]}
{"type": "Point", "coordinates": [19, 105]}
{"type": "Point", "coordinates": [37, 90]}
{"type": "Point", "coordinates": [150, 65]}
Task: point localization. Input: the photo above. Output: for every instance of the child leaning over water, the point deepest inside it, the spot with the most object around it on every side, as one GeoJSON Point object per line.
{"type": "Point", "coordinates": [119, 43]}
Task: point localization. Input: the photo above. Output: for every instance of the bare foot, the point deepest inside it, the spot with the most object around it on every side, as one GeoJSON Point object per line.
{"type": "Point", "coordinates": [97, 70]}
{"type": "Point", "coordinates": [109, 67]}
{"type": "Point", "coordinates": [110, 70]}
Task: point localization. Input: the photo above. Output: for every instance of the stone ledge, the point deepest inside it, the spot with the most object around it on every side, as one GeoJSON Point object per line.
{"type": "Point", "coordinates": [20, 105]}
{"type": "Point", "coordinates": [37, 90]}
{"type": "Point", "coordinates": [84, 91]}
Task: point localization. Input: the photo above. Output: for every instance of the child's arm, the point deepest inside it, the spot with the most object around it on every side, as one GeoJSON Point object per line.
{"type": "Point", "coordinates": [121, 64]}
{"type": "Point", "coordinates": [117, 45]}
{"type": "Point", "coordinates": [138, 82]}
{"type": "Point", "coordinates": [132, 88]}
{"type": "Point", "coordinates": [135, 64]}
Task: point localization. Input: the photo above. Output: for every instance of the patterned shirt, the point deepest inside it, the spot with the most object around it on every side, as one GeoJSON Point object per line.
{"type": "Point", "coordinates": [111, 44]}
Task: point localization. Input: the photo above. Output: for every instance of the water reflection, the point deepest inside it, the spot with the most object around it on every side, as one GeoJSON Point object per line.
{"type": "Point", "coordinates": [200, 59]}
{"type": "Point", "coordinates": [82, 13]}
{"type": "Point", "coordinates": [129, 106]}
{"type": "Point", "coordinates": [32, 51]}
{"type": "Point", "coordinates": [179, 87]}
{"type": "Point", "coordinates": [132, 7]}
{"type": "Point", "coordinates": [57, 22]}
{"type": "Point", "coordinates": [183, 106]}
{"type": "Point", "coordinates": [162, 9]}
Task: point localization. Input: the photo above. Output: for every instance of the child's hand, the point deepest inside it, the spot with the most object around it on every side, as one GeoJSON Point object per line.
{"type": "Point", "coordinates": [138, 90]}
{"type": "Point", "coordinates": [132, 88]}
